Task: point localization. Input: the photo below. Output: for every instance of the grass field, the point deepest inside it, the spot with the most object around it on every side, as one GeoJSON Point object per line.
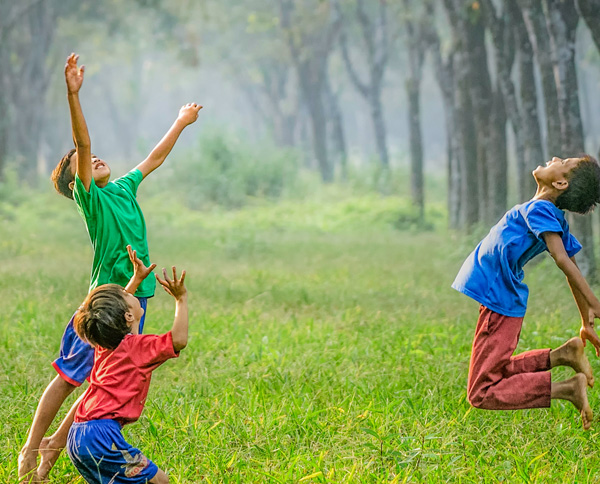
{"type": "Point", "coordinates": [325, 346]}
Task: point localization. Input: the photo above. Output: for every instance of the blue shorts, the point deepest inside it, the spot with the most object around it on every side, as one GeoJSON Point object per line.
{"type": "Point", "coordinates": [76, 358]}
{"type": "Point", "coordinates": [102, 456]}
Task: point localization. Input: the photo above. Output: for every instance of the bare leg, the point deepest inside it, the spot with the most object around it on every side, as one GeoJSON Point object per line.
{"type": "Point", "coordinates": [51, 447]}
{"type": "Point", "coordinates": [55, 394]}
{"type": "Point", "coordinates": [574, 390]}
{"type": "Point", "coordinates": [572, 354]}
{"type": "Point", "coordinates": [160, 478]}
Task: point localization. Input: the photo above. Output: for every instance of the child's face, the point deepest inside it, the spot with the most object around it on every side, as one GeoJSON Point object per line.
{"type": "Point", "coordinates": [100, 170]}
{"type": "Point", "coordinates": [556, 170]}
{"type": "Point", "coordinates": [135, 309]}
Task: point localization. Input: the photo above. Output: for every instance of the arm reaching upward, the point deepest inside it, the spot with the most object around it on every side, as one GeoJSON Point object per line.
{"type": "Point", "coordinates": [587, 303]}
{"type": "Point", "coordinates": [81, 136]}
{"type": "Point", "coordinates": [188, 114]}
{"type": "Point", "coordinates": [176, 288]}
{"type": "Point", "coordinates": [140, 271]}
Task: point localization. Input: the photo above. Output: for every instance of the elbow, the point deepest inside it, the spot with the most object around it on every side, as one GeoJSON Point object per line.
{"type": "Point", "coordinates": [179, 344]}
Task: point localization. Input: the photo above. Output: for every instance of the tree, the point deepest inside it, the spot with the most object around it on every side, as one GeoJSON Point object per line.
{"type": "Point", "coordinates": [374, 32]}
{"type": "Point", "coordinates": [310, 38]}
{"type": "Point", "coordinates": [416, 38]}
{"type": "Point", "coordinates": [562, 18]}
{"type": "Point", "coordinates": [534, 19]}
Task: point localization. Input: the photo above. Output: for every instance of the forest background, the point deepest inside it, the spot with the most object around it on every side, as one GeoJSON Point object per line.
{"type": "Point", "coordinates": [349, 155]}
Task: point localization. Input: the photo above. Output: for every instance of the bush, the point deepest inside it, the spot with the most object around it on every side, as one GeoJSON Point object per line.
{"type": "Point", "coordinates": [228, 171]}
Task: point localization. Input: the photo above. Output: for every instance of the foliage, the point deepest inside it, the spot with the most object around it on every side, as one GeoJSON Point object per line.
{"type": "Point", "coordinates": [226, 170]}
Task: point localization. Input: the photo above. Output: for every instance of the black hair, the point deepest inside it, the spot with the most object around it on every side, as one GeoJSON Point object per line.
{"type": "Point", "coordinates": [62, 176]}
{"type": "Point", "coordinates": [583, 192]}
{"type": "Point", "coordinates": [101, 318]}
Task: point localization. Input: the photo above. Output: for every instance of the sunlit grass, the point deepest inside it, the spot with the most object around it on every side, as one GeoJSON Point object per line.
{"type": "Point", "coordinates": [325, 346]}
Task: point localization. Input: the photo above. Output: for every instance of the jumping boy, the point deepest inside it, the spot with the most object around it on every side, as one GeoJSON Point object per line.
{"type": "Point", "coordinates": [109, 320]}
{"type": "Point", "coordinates": [493, 276]}
{"type": "Point", "coordinates": [113, 219]}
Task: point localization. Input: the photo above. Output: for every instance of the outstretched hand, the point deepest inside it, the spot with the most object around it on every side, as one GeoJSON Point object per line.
{"type": "Point", "coordinates": [588, 333]}
{"type": "Point", "coordinates": [73, 74]}
{"type": "Point", "coordinates": [174, 287]}
{"type": "Point", "coordinates": [189, 113]}
{"type": "Point", "coordinates": [140, 271]}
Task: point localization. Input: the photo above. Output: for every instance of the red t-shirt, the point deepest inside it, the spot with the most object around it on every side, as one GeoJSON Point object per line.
{"type": "Point", "coordinates": [121, 377]}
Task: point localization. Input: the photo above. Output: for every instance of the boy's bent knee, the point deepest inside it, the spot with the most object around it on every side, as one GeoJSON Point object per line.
{"type": "Point", "coordinates": [477, 397]}
{"type": "Point", "coordinates": [160, 478]}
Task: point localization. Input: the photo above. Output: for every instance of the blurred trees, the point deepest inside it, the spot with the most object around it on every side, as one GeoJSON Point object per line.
{"type": "Point", "coordinates": [299, 65]}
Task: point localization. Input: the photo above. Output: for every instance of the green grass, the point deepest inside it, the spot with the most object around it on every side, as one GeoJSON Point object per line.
{"type": "Point", "coordinates": [325, 346]}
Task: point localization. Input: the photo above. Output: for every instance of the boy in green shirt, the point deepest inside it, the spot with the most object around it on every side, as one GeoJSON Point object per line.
{"type": "Point", "coordinates": [114, 220]}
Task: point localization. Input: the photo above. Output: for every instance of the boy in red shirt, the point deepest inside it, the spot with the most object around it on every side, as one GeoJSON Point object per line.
{"type": "Point", "coordinates": [124, 360]}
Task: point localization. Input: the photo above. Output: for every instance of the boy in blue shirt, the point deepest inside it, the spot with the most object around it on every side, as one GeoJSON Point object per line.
{"type": "Point", "coordinates": [493, 276]}
{"type": "Point", "coordinates": [113, 220]}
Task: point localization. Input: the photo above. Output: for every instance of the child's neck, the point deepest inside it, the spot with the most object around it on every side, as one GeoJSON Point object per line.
{"type": "Point", "coordinates": [544, 192]}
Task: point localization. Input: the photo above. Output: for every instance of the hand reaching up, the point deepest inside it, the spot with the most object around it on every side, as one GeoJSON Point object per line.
{"type": "Point", "coordinates": [73, 74]}
{"type": "Point", "coordinates": [189, 113]}
{"type": "Point", "coordinates": [174, 287]}
{"type": "Point", "coordinates": [140, 271]}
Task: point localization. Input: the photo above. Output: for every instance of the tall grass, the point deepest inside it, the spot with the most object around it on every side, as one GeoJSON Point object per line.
{"type": "Point", "coordinates": [325, 346]}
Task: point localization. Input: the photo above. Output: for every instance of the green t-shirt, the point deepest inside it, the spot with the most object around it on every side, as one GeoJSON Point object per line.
{"type": "Point", "coordinates": [114, 220]}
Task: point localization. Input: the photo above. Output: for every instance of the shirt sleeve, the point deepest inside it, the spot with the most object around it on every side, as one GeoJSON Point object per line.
{"type": "Point", "coordinates": [131, 181]}
{"type": "Point", "coordinates": [151, 350]}
{"type": "Point", "coordinates": [572, 245]}
{"type": "Point", "coordinates": [87, 201]}
{"type": "Point", "coordinates": [541, 218]}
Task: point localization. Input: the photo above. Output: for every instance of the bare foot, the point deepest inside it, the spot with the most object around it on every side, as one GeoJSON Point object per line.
{"type": "Point", "coordinates": [580, 399]}
{"type": "Point", "coordinates": [572, 354]}
{"type": "Point", "coordinates": [49, 453]}
{"type": "Point", "coordinates": [27, 465]}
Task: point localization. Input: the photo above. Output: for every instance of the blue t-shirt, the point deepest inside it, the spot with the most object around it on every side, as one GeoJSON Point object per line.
{"type": "Point", "coordinates": [493, 272]}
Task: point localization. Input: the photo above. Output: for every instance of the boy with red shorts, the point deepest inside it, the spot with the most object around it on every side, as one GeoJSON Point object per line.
{"type": "Point", "coordinates": [493, 276]}
{"type": "Point", "coordinates": [109, 320]}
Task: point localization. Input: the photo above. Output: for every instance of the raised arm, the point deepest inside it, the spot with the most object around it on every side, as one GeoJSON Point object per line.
{"type": "Point", "coordinates": [140, 271]}
{"type": "Point", "coordinates": [587, 303]}
{"type": "Point", "coordinates": [187, 115]}
{"type": "Point", "coordinates": [81, 136]}
{"type": "Point", "coordinates": [177, 289]}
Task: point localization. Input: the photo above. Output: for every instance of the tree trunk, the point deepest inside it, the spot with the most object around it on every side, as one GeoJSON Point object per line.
{"type": "Point", "coordinates": [376, 56]}
{"type": "Point", "coordinates": [444, 73]}
{"type": "Point", "coordinates": [590, 12]}
{"type": "Point", "coordinates": [562, 19]}
{"type": "Point", "coordinates": [29, 87]}
{"type": "Point", "coordinates": [464, 112]}
{"type": "Point", "coordinates": [413, 92]}
{"type": "Point", "coordinates": [498, 168]}
{"type": "Point", "coordinates": [337, 131]}
{"type": "Point", "coordinates": [534, 152]}
{"type": "Point", "coordinates": [311, 66]}
{"type": "Point", "coordinates": [533, 16]}
{"type": "Point", "coordinates": [465, 123]}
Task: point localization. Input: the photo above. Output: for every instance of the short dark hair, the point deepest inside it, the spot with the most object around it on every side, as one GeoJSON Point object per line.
{"type": "Point", "coordinates": [62, 176]}
{"type": "Point", "coordinates": [583, 192]}
{"type": "Point", "coordinates": [101, 318]}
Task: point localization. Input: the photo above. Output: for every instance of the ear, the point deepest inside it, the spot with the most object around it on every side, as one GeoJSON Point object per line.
{"type": "Point", "coordinates": [72, 185]}
{"type": "Point", "coordinates": [561, 184]}
{"type": "Point", "coordinates": [129, 317]}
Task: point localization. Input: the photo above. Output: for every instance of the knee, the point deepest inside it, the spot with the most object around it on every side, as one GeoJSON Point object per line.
{"type": "Point", "coordinates": [476, 395]}
{"type": "Point", "coordinates": [160, 478]}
